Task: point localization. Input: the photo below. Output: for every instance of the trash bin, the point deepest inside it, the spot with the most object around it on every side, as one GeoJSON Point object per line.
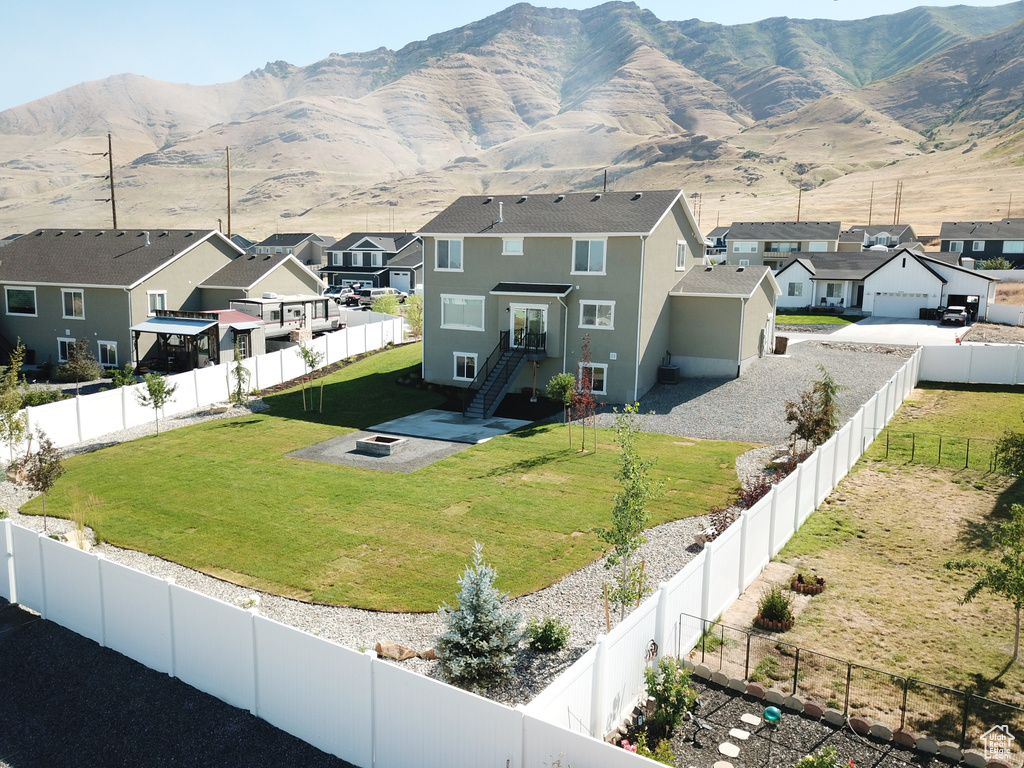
{"type": "Point", "coordinates": [781, 342]}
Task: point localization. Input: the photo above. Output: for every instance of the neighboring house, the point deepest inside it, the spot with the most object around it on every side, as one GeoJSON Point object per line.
{"type": "Point", "coordinates": [982, 240]}
{"type": "Point", "coordinates": [252, 275]}
{"type": "Point", "coordinates": [774, 243]}
{"type": "Point", "coordinates": [310, 249]}
{"type": "Point", "coordinates": [514, 283]}
{"type": "Point", "coordinates": [716, 243]}
{"type": "Point", "coordinates": [376, 260]}
{"type": "Point", "coordinates": [865, 237]}
{"type": "Point", "coordinates": [60, 285]}
{"type": "Point", "coordinates": [244, 243]}
{"type": "Point", "coordinates": [896, 283]}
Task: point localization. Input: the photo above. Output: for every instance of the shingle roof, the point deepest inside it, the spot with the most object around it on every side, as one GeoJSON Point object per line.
{"type": "Point", "coordinates": [841, 266]}
{"type": "Point", "coordinates": [785, 230]}
{"type": "Point", "coordinates": [855, 234]}
{"type": "Point", "coordinates": [292, 239]}
{"type": "Point", "coordinates": [537, 289]}
{"type": "Point", "coordinates": [117, 257]}
{"type": "Point", "coordinates": [721, 280]}
{"type": "Point", "coordinates": [1005, 229]}
{"type": "Point", "coordinates": [244, 271]}
{"type": "Point", "coordinates": [391, 242]}
{"type": "Point", "coordinates": [410, 257]}
{"type": "Point", "coordinates": [717, 232]}
{"type": "Point", "coordinates": [628, 213]}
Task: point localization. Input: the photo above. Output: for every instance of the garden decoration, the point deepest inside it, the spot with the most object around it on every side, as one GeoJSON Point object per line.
{"type": "Point", "coordinates": [772, 716]}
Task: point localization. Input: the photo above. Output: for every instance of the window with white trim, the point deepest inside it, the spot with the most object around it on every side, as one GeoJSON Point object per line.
{"type": "Point", "coordinates": [157, 300]}
{"type": "Point", "coordinates": [956, 246]}
{"type": "Point", "coordinates": [355, 259]}
{"type": "Point", "coordinates": [448, 256]}
{"type": "Point", "coordinates": [743, 246]}
{"type": "Point", "coordinates": [817, 246]}
{"type": "Point", "coordinates": [744, 262]}
{"type": "Point", "coordinates": [465, 366]}
{"type": "Point", "coordinates": [376, 258]}
{"type": "Point", "coordinates": [680, 255]}
{"type": "Point", "coordinates": [588, 257]}
{"type": "Point", "coordinates": [73, 303]}
{"type": "Point", "coordinates": [796, 289]}
{"type": "Point", "coordinates": [63, 349]}
{"type": "Point", "coordinates": [108, 353]}
{"type": "Point", "coordinates": [598, 377]}
{"type": "Point", "coordinates": [978, 245]}
{"type": "Point", "coordinates": [597, 314]}
{"type": "Point", "coordinates": [336, 259]}
{"type": "Point", "coordinates": [21, 301]}
{"type": "Point", "coordinates": [1013, 246]}
{"type": "Point", "coordinates": [834, 290]}
{"type": "Point", "coordinates": [512, 246]}
{"type": "Point", "coordinates": [462, 312]}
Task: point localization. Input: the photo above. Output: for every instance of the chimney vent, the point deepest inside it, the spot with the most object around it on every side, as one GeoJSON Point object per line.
{"type": "Point", "coordinates": [146, 233]}
{"type": "Point", "coordinates": [501, 212]}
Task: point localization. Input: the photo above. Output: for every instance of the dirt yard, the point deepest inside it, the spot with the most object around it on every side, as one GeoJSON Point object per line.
{"type": "Point", "coordinates": [994, 334]}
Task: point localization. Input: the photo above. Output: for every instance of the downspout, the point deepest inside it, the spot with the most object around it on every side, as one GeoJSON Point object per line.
{"type": "Point", "coordinates": [131, 350]}
{"type": "Point", "coordinates": [639, 317]}
{"type": "Point", "coordinates": [565, 330]}
{"type": "Point", "coordinates": [739, 351]}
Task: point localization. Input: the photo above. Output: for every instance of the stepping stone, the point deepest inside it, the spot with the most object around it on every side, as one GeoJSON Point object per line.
{"type": "Point", "coordinates": [750, 719]}
{"type": "Point", "coordinates": [721, 764]}
{"type": "Point", "coordinates": [739, 733]}
{"type": "Point", "coordinates": [729, 750]}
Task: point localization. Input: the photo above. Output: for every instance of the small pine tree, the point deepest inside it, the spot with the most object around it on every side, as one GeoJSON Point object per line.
{"type": "Point", "coordinates": [477, 648]}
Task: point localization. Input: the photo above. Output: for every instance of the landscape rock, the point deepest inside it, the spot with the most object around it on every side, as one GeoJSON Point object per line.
{"type": "Point", "coordinates": [756, 690]}
{"type": "Point", "coordinates": [862, 726]}
{"type": "Point", "coordinates": [395, 651]}
{"type": "Point", "coordinates": [813, 709]}
{"type": "Point", "coordinates": [719, 678]}
{"type": "Point", "coordinates": [975, 759]}
{"type": "Point", "coordinates": [774, 697]}
{"type": "Point", "coordinates": [738, 685]}
{"type": "Point", "coordinates": [928, 746]}
{"type": "Point", "coordinates": [793, 704]}
{"type": "Point", "coordinates": [907, 739]}
{"type": "Point", "coordinates": [949, 750]}
{"type": "Point", "coordinates": [835, 717]}
{"type": "Point", "coordinates": [702, 671]}
{"type": "Point", "coordinates": [881, 732]}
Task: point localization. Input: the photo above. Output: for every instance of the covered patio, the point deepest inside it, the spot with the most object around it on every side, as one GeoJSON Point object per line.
{"type": "Point", "coordinates": [181, 343]}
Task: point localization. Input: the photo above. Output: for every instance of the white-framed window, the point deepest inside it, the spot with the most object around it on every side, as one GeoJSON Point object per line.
{"type": "Point", "coordinates": [784, 247]}
{"type": "Point", "coordinates": [743, 246]}
{"type": "Point", "coordinates": [63, 349]}
{"type": "Point", "coordinates": [290, 251]}
{"type": "Point", "coordinates": [744, 262]}
{"type": "Point", "coordinates": [796, 289]}
{"type": "Point", "coordinates": [680, 255]}
{"type": "Point", "coordinates": [597, 314]}
{"type": "Point", "coordinates": [465, 366]}
{"type": "Point", "coordinates": [21, 301]}
{"type": "Point", "coordinates": [817, 246]}
{"type": "Point", "coordinates": [588, 257]}
{"type": "Point", "coordinates": [956, 246]}
{"type": "Point", "coordinates": [157, 300]}
{"type": "Point", "coordinates": [512, 246]}
{"type": "Point", "coordinates": [834, 290]}
{"type": "Point", "coordinates": [978, 245]}
{"type": "Point", "coordinates": [108, 353]}
{"type": "Point", "coordinates": [336, 259]}
{"type": "Point", "coordinates": [73, 303]}
{"type": "Point", "coordinates": [1013, 246]}
{"type": "Point", "coordinates": [278, 250]}
{"type": "Point", "coordinates": [464, 313]}
{"type": "Point", "coordinates": [449, 256]}
{"type": "Point", "coordinates": [598, 373]}
{"type": "Point", "coordinates": [355, 259]}
{"type": "Point", "coordinates": [376, 258]}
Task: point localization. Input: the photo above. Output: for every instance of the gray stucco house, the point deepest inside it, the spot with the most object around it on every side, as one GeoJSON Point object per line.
{"type": "Point", "coordinates": [513, 284]}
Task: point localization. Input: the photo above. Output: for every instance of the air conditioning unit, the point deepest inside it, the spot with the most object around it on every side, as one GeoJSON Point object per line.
{"type": "Point", "coordinates": [269, 295]}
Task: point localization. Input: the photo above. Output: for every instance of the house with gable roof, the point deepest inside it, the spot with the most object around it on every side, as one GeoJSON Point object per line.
{"type": "Point", "coordinates": [376, 260]}
{"type": "Point", "coordinates": [982, 240]}
{"type": "Point", "coordinates": [308, 247]}
{"type": "Point", "coordinates": [513, 284]}
{"type": "Point", "coordinates": [773, 243]}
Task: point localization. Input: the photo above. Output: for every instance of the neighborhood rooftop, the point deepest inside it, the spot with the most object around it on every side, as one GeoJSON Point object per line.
{"type": "Point", "coordinates": [1012, 229]}
{"type": "Point", "coordinates": [721, 280]}
{"type": "Point", "coordinates": [632, 213]}
{"type": "Point", "coordinates": [785, 230]}
{"type": "Point", "coordinates": [245, 271]}
{"type": "Point", "coordinates": [386, 241]}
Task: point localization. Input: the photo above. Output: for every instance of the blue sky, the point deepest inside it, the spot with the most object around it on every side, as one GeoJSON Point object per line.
{"type": "Point", "coordinates": [52, 44]}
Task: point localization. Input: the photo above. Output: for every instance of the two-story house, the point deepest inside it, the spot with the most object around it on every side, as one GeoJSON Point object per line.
{"type": "Point", "coordinates": [773, 243]}
{"type": "Point", "coordinates": [376, 260]}
{"type": "Point", "coordinates": [982, 240]}
{"type": "Point", "coordinates": [514, 284]}
{"type": "Point", "coordinates": [863, 237]}
{"type": "Point", "coordinates": [310, 249]}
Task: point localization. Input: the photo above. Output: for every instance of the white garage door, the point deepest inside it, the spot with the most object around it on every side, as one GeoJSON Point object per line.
{"type": "Point", "coordinates": [400, 281]}
{"type": "Point", "coordinates": [899, 304]}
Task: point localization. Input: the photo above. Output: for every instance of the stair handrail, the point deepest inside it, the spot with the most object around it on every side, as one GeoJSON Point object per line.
{"type": "Point", "coordinates": [482, 372]}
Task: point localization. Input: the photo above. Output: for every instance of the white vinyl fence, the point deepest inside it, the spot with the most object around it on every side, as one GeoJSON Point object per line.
{"type": "Point", "coordinates": [87, 417]}
{"type": "Point", "coordinates": [603, 686]}
{"type": "Point", "coordinates": [1005, 314]}
{"type": "Point", "coordinates": [974, 364]}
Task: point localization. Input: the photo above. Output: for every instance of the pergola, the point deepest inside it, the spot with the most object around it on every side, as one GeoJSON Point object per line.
{"type": "Point", "coordinates": [179, 341]}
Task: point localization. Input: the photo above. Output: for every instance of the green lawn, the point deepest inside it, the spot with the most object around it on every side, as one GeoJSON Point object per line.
{"type": "Point", "coordinates": [222, 498]}
{"type": "Point", "coordinates": [799, 318]}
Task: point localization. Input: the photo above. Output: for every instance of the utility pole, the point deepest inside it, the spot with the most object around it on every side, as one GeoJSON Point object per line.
{"type": "Point", "coordinates": [1009, 205]}
{"type": "Point", "coordinates": [799, 200]}
{"type": "Point", "coordinates": [110, 158]}
{"type": "Point", "coordinates": [898, 204]}
{"type": "Point", "coordinates": [227, 155]}
{"type": "Point", "coordinates": [871, 202]}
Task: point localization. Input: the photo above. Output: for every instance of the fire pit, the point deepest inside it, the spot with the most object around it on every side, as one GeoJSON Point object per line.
{"type": "Point", "coordinates": [379, 445]}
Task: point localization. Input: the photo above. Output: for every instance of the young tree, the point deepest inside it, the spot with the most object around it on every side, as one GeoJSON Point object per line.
{"type": "Point", "coordinates": [241, 376]}
{"type": "Point", "coordinates": [414, 315]}
{"type": "Point", "coordinates": [312, 359]}
{"type": "Point", "coordinates": [477, 647]}
{"type": "Point", "coordinates": [1010, 453]}
{"type": "Point", "coordinates": [13, 421]}
{"type": "Point", "coordinates": [560, 389]}
{"type": "Point", "coordinates": [43, 468]}
{"type": "Point", "coordinates": [815, 415]}
{"type": "Point", "coordinates": [630, 515]}
{"type": "Point", "coordinates": [386, 304]}
{"type": "Point", "coordinates": [1003, 577]}
{"type": "Point", "coordinates": [124, 377]}
{"type": "Point", "coordinates": [156, 395]}
{"type": "Point", "coordinates": [80, 365]}
{"type": "Point", "coordinates": [583, 403]}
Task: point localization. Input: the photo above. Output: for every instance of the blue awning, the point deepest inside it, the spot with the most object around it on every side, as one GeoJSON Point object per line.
{"type": "Point", "coordinates": [180, 325]}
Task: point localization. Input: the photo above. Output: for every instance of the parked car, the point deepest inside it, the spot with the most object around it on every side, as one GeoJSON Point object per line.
{"type": "Point", "coordinates": [339, 293]}
{"type": "Point", "coordinates": [369, 295]}
{"type": "Point", "coordinates": [954, 315]}
{"type": "Point", "coordinates": [352, 299]}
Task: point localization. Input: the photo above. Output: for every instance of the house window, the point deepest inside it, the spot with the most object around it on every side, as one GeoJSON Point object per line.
{"type": "Point", "coordinates": [978, 245]}
{"type": "Point", "coordinates": [595, 374]}
{"type": "Point", "coordinates": [465, 366]}
{"type": "Point", "coordinates": [597, 314]}
{"type": "Point", "coordinates": [376, 259]}
{"type": "Point", "coordinates": [277, 250]}
{"type": "Point", "coordinates": [63, 349]}
{"type": "Point", "coordinates": [73, 300]}
{"type": "Point", "coordinates": [817, 246]}
{"type": "Point", "coordinates": [834, 290]}
{"type": "Point", "coordinates": [449, 255]}
{"type": "Point", "coordinates": [21, 301]}
{"type": "Point", "coordinates": [588, 257]}
{"type": "Point", "coordinates": [784, 247]}
{"type": "Point", "coordinates": [680, 255]}
{"type": "Point", "coordinates": [744, 262]}
{"type": "Point", "coordinates": [355, 259]}
{"type": "Point", "coordinates": [462, 312]}
{"type": "Point", "coordinates": [289, 251]}
{"type": "Point", "coordinates": [512, 246]}
{"type": "Point", "coordinates": [336, 259]}
{"type": "Point", "coordinates": [744, 247]}
{"type": "Point", "coordinates": [157, 300]}
{"type": "Point", "coordinates": [796, 289]}
{"type": "Point", "coordinates": [1013, 246]}
{"type": "Point", "coordinates": [108, 353]}
{"type": "Point", "coordinates": [956, 246]}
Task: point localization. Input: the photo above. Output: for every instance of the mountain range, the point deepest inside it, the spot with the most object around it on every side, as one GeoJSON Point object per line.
{"type": "Point", "coordinates": [537, 99]}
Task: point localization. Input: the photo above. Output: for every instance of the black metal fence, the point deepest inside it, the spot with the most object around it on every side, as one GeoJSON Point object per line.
{"type": "Point", "coordinates": [937, 450]}
{"type": "Point", "coordinates": [943, 713]}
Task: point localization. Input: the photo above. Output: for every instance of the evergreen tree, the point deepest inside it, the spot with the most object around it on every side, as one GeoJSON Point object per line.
{"type": "Point", "coordinates": [477, 648]}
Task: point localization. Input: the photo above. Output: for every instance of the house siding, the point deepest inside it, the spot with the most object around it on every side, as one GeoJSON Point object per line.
{"type": "Point", "coordinates": [758, 326]}
{"type": "Point", "coordinates": [714, 349]}
{"type": "Point", "coordinates": [894, 277]}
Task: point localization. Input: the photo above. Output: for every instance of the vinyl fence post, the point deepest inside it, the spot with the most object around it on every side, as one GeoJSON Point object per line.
{"type": "Point", "coordinates": [772, 520]}
{"type": "Point", "coordinates": [42, 574]}
{"type": "Point", "coordinates": [371, 659]}
{"type": "Point", "coordinates": [100, 557]}
{"type": "Point", "coordinates": [8, 554]}
{"type": "Point", "coordinates": [78, 416]}
{"type": "Point", "coordinates": [661, 618]}
{"type": "Point", "coordinates": [597, 693]}
{"type": "Point", "coordinates": [124, 407]}
{"type": "Point", "coordinates": [170, 623]}
{"type": "Point", "coordinates": [799, 494]}
{"type": "Point", "coordinates": [255, 709]}
{"type": "Point", "coordinates": [705, 592]}
{"type": "Point", "coordinates": [744, 549]}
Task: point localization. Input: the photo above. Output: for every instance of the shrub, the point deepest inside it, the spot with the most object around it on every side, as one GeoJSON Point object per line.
{"type": "Point", "coordinates": [552, 634]}
{"type": "Point", "coordinates": [123, 377]}
{"type": "Point", "coordinates": [3, 513]}
{"type": "Point", "coordinates": [758, 488]}
{"type": "Point", "coordinates": [826, 757]}
{"type": "Point", "coordinates": [661, 753]}
{"type": "Point", "coordinates": [80, 365]}
{"type": "Point", "coordinates": [667, 682]}
{"type": "Point", "coordinates": [31, 397]}
{"type": "Point", "coordinates": [775, 604]}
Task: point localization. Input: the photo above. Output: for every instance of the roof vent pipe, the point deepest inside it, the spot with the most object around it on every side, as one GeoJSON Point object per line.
{"type": "Point", "coordinates": [501, 212]}
{"type": "Point", "coordinates": [146, 233]}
